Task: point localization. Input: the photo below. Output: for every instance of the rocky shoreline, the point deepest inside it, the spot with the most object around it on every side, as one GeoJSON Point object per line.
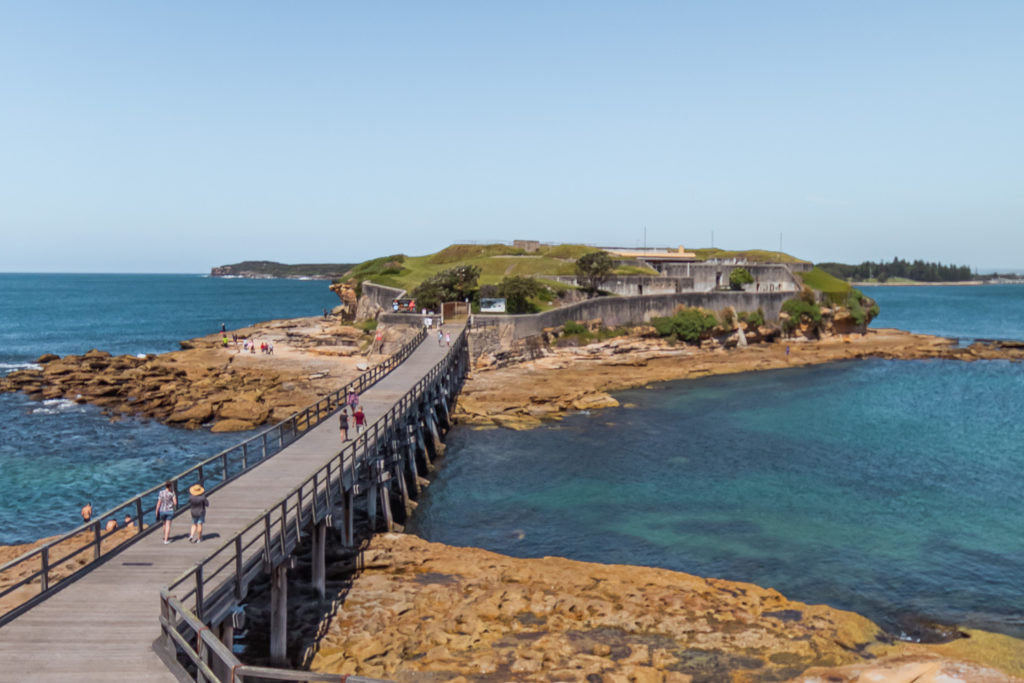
{"type": "Point", "coordinates": [564, 380]}
{"type": "Point", "coordinates": [418, 611]}
{"type": "Point", "coordinates": [208, 383]}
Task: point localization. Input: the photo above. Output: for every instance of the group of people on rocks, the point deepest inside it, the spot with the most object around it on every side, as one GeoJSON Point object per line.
{"type": "Point", "coordinates": [251, 345]}
{"type": "Point", "coordinates": [358, 417]}
{"type": "Point", "coordinates": [111, 524]}
{"type": "Point", "coordinates": [248, 344]}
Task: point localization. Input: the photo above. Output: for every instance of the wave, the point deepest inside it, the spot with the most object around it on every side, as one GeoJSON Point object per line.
{"type": "Point", "coordinates": [56, 406]}
{"type": "Point", "coordinates": [10, 367]}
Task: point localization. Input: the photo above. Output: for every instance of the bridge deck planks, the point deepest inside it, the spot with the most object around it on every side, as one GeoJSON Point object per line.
{"type": "Point", "coordinates": [103, 626]}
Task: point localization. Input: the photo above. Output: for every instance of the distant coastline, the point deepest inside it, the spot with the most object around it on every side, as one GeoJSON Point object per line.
{"type": "Point", "coordinates": [267, 270]}
{"type": "Point", "coordinates": [959, 283]}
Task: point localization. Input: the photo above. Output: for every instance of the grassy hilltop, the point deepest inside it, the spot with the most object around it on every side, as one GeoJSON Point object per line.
{"type": "Point", "coordinates": [497, 261]}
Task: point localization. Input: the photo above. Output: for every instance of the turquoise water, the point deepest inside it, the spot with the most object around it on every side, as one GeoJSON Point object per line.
{"type": "Point", "coordinates": [891, 488]}
{"type": "Point", "coordinates": [56, 455]}
{"type": "Point", "coordinates": [885, 487]}
{"type": "Point", "coordinates": [971, 312]}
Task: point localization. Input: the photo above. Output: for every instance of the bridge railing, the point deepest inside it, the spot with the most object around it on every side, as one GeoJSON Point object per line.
{"type": "Point", "coordinates": [208, 592]}
{"type": "Point", "coordinates": [67, 555]}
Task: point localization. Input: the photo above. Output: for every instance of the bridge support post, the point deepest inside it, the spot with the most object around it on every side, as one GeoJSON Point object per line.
{"type": "Point", "coordinates": [320, 558]}
{"type": "Point", "coordinates": [403, 489]}
{"type": "Point", "coordinates": [446, 414]}
{"type": "Point", "coordinates": [422, 443]}
{"type": "Point", "coordinates": [226, 635]}
{"type": "Point", "coordinates": [434, 435]}
{"type": "Point", "coordinates": [279, 615]}
{"type": "Point", "coordinates": [385, 505]}
{"type": "Point", "coordinates": [371, 505]}
{"type": "Point", "coordinates": [411, 464]}
{"type": "Point", "coordinates": [348, 525]}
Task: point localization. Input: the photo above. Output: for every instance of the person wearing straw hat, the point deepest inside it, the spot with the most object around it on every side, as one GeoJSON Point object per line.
{"type": "Point", "coordinates": [197, 503]}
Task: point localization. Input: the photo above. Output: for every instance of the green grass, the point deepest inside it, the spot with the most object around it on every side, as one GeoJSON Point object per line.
{"type": "Point", "coordinates": [496, 261]}
{"type": "Point", "coordinates": [817, 279]}
{"type": "Point", "coordinates": [754, 255]}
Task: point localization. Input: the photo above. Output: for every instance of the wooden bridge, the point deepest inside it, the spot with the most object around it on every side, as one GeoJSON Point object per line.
{"type": "Point", "coordinates": [146, 611]}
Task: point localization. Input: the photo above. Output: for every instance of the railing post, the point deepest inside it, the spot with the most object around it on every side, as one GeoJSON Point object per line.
{"type": "Point", "coordinates": [199, 591]}
{"type": "Point", "coordinates": [239, 586]}
{"type": "Point", "coordinates": [284, 528]}
{"type": "Point", "coordinates": [224, 462]}
{"type": "Point", "coordinates": [245, 455]}
{"type": "Point", "coordinates": [44, 576]}
{"type": "Point", "coordinates": [264, 435]}
{"type": "Point", "coordinates": [268, 560]}
{"type": "Point", "coordinates": [96, 537]}
{"type": "Point", "coordinates": [138, 513]}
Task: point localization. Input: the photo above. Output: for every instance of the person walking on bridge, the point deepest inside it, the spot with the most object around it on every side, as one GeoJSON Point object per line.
{"type": "Point", "coordinates": [165, 504]}
{"type": "Point", "coordinates": [343, 423]}
{"type": "Point", "coordinates": [197, 503]}
{"type": "Point", "coordinates": [360, 420]}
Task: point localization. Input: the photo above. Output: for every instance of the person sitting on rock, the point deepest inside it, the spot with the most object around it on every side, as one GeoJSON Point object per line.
{"type": "Point", "coordinates": [87, 512]}
{"type": "Point", "coordinates": [128, 523]}
{"type": "Point", "coordinates": [111, 525]}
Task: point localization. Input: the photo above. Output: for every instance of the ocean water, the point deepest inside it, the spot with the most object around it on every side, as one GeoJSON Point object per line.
{"type": "Point", "coordinates": [886, 487]}
{"type": "Point", "coordinates": [56, 455]}
{"type": "Point", "coordinates": [891, 488]}
{"type": "Point", "coordinates": [964, 312]}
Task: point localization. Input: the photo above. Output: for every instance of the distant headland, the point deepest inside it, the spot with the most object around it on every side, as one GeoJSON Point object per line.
{"type": "Point", "coordinates": [262, 270]}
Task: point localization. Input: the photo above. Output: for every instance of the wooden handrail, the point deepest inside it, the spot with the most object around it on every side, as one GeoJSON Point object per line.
{"type": "Point", "coordinates": [141, 509]}
{"type": "Point", "coordinates": [275, 534]}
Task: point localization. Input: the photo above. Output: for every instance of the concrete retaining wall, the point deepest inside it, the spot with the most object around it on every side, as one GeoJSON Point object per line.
{"type": "Point", "coordinates": [375, 299]}
{"type": "Point", "coordinates": [617, 310]}
{"type": "Point", "coordinates": [635, 285]}
{"type": "Point", "coordinates": [709, 275]}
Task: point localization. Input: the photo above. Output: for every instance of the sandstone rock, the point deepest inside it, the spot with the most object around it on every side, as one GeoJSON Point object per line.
{"type": "Point", "coordinates": [200, 412]}
{"type": "Point", "coordinates": [517, 422]}
{"type": "Point", "coordinates": [232, 425]}
{"type": "Point", "coordinates": [594, 402]}
{"type": "Point", "coordinates": [244, 409]}
{"type": "Point", "coordinates": [46, 358]}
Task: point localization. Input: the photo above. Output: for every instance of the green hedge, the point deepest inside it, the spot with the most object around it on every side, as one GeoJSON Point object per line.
{"type": "Point", "coordinates": [689, 324]}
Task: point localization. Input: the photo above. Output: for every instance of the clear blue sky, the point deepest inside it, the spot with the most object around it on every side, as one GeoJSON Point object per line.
{"type": "Point", "coordinates": [175, 136]}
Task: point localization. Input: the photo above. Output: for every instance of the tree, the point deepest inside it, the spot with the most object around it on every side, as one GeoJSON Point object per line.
{"type": "Point", "coordinates": [593, 268]}
{"type": "Point", "coordinates": [739, 277]}
{"type": "Point", "coordinates": [517, 291]}
{"type": "Point", "coordinates": [454, 284]}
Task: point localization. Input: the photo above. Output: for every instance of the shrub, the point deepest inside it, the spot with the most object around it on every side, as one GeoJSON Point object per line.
{"type": "Point", "coordinates": [688, 324]}
{"type": "Point", "coordinates": [797, 309]}
{"type": "Point", "coordinates": [753, 318]}
{"type": "Point", "coordinates": [739, 277]}
{"type": "Point", "coordinates": [573, 327]}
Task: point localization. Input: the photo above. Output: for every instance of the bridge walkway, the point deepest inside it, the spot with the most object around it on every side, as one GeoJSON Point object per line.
{"type": "Point", "coordinates": [103, 626]}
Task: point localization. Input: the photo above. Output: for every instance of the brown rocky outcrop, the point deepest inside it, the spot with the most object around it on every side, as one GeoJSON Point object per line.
{"type": "Point", "coordinates": [346, 292]}
{"type": "Point", "coordinates": [521, 387]}
{"type": "Point", "coordinates": [207, 382]}
{"type": "Point", "coordinates": [420, 611]}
